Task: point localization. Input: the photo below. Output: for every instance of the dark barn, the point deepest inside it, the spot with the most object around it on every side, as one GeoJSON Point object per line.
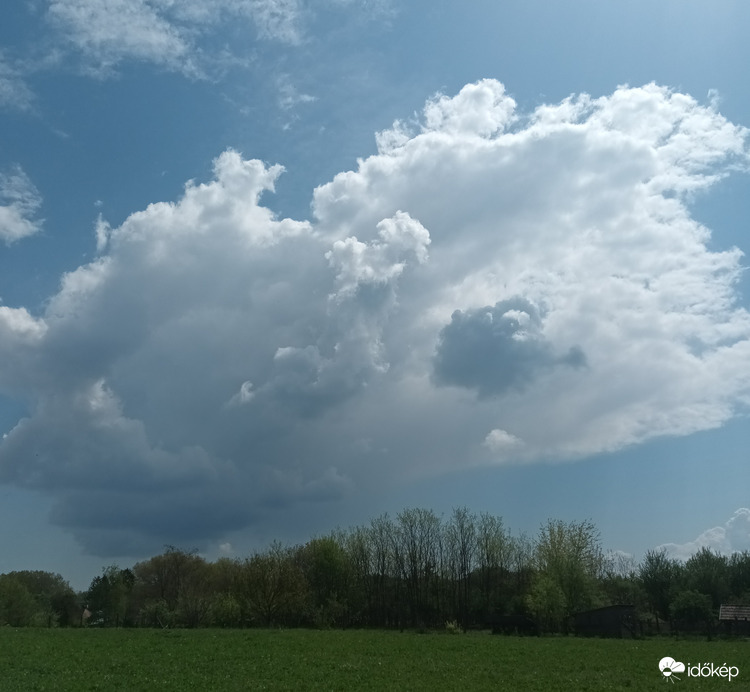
{"type": "Point", "coordinates": [617, 621]}
{"type": "Point", "coordinates": [735, 619]}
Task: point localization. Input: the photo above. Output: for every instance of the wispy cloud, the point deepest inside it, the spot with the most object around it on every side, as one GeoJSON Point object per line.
{"type": "Point", "coordinates": [276, 19]}
{"type": "Point", "coordinates": [107, 31]}
{"type": "Point", "coordinates": [14, 91]}
{"type": "Point", "coordinates": [167, 34]}
{"type": "Point", "coordinates": [19, 203]}
{"type": "Point", "coordinates": [216, 363]}
{"type": "Point", "coordinates": [289, 95]}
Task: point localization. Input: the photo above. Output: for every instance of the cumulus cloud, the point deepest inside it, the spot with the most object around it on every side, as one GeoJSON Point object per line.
{"type": "Point", "coordinates": [732, 537]}
{"type": "Point", "coordinates": [501, 441]}
{"type": "Point", "coordinates": [485, 272]}
{"type": "Point", "coordinates": [19, 203]}
{"type": "Point", "coordinates": [350, 347]}
{"type": "Point", "coordinates": [579, 209]}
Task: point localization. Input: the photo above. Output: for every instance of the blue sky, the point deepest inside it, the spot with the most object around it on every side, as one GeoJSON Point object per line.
{"type": "Point", "coordinates": [268, 267]}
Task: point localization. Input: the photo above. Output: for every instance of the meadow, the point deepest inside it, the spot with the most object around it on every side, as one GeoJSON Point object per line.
{"type": "Point", "coordinates": [211, 659]}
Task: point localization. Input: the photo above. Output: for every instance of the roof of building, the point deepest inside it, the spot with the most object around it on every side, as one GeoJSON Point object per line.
{"type": "Point", "coordinates": [734, 612]}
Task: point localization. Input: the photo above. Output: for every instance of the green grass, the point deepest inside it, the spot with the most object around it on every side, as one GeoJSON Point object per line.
{"type": "Point", "coordinates": [59, 660]}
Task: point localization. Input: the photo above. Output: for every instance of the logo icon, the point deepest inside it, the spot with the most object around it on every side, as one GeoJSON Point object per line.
{"type": "Point", "coordinates": [668, 667]}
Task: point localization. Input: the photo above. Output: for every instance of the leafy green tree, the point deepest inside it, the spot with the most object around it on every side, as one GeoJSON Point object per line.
{"type": "Point", "coordinates": [328, 570]}
{"type": "Point", "coordinates": [708, 573]}
{"type": "Point", "coordinates": [223, 586]}
{"type": "Point", "coordinates": [225, 610]}
{"type": "Point", "coordinates": [619, 582]}
{"type": "Point", "coordinates": [225, 575]}
{"type": "Point", "coordinates": [18, 607]}
{"type": "Point", "coordinates": [691, 610]}
{"type": "Point", "coordinates": [57, 603]}
{"type": "Point", "coordinates": [168, 588]}
{"type": "Point", "coordinates": [569, 555]}
{"type": "Point", "coordinates": [659, 576]}
{"type": "Point", "coordinates": [108, 597]}
{"type": "Point", "coordinates": [739, 576]}
{"type": "Point", "coordinates": [194, 599]}
{"type": "Point", "coordinates": [274, 587]}
{"type": "Point", "coordinates": [547, 603]}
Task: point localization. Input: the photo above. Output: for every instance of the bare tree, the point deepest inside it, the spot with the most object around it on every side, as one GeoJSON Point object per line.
{"type": "Point", "coordinates": [494, 552]}
{"type": "Point", "coordinates": [417, 538]}
{"type": "Point", "coordinates": [461, 539]}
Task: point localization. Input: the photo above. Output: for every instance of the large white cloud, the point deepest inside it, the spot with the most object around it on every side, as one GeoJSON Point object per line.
{"type": "Point", "coordinates": [578, 209]}
{"type": "Point", "coordinates": [493, 287]}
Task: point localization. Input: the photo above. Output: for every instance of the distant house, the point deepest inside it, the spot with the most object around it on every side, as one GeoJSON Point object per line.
{"type": "Point", "coordinates": [735, 619]}
{"type": "Point", "coordinates": [618, 621]}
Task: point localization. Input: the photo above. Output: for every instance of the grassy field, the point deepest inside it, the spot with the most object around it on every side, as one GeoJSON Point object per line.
{"type": "Point", "coordinates": [38, 659]}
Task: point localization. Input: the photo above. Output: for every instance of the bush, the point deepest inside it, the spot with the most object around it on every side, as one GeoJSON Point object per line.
{"type": "Point", "coordinates": [452, 627]}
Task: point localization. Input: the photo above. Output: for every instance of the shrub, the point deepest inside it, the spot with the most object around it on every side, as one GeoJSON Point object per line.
{"type": "Point", "coordinates": [452, 627]}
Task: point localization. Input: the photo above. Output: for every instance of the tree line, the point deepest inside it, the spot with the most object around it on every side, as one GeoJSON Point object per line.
{"type": "Point", "coordinates": [415, 570]}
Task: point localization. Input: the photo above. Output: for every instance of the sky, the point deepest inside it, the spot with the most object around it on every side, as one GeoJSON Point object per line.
{"type": "Point", "coordinates": [273, 267]}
